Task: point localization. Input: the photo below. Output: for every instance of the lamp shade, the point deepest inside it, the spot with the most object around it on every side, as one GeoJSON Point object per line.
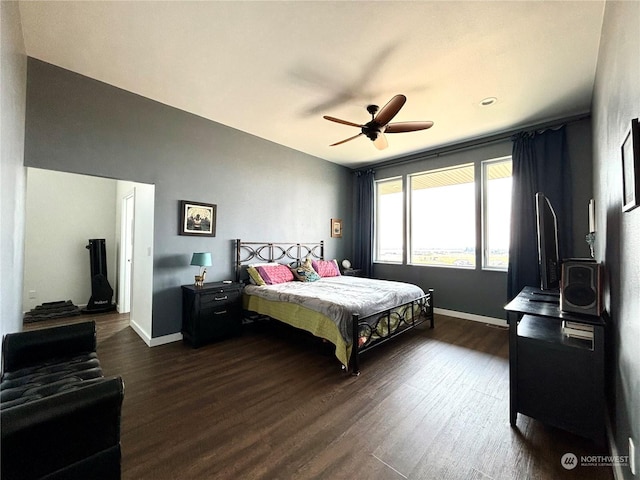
{"type": "Point", "coordinates": [201, 259]}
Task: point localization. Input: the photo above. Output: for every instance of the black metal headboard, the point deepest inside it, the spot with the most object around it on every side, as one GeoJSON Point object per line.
{"type": "Point", "coordinates": [286, 253]}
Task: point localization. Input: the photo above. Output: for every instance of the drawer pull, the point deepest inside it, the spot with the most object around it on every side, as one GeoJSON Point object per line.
{"type": "Point", "coordinates": [217, 299]}
{"type": "Point", "coordinates": [220, 313]}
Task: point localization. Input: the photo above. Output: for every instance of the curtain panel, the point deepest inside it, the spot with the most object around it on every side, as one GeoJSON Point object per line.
{"type": "Point", "coordinates": [363, 238]}
{"type": "Point", "coordinates": [540, 164]}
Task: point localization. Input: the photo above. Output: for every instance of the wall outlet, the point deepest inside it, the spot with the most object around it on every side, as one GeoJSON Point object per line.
{"type": "Point", "coordinates": [32, 294]}
{"type": "Point", "coordinates": [632, 456]}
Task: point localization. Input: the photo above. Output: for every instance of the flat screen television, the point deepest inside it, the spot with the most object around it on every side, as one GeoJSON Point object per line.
{"type": "Point", "coordinates": [548, 256]}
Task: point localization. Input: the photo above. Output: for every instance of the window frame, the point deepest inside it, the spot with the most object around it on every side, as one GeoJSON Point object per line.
{"type": "Point", "coordinates": [484, 217]}
{"type": "Point", "coordinates": [376, 211]}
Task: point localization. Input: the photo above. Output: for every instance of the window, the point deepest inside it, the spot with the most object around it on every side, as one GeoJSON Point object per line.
{"type": "Point", "coordinates": [496, 179]}
{"type": "Point", "coordinates": [389, 225]}
{"type": "Point", "coordinates": [442, 220]}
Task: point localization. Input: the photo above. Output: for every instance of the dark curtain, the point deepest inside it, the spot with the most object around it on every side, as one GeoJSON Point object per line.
{"type": "Point", "coordinates": [363, 238]}
{"type": "Point", "coordinates": [540, 164]}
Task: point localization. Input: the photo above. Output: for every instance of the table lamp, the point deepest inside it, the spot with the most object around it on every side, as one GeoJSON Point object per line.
{"type": "Point", "coordinates": [201, 259]}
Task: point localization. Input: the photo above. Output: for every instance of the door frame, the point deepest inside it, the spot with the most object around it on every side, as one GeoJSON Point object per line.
{"type": "Point", "coordinates": [127, 239]}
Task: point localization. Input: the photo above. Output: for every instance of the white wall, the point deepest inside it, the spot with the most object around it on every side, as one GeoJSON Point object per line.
{"type": "Point", "coordinates": [13, 78]}
{"type": "Point", "coordinates": [63, 212]}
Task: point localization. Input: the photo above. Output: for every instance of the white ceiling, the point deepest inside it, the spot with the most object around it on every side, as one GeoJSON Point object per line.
{"type": "Point", "coordinates": [273, 68]}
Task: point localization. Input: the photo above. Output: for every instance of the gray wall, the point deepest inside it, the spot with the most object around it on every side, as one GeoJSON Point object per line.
{"type": "Point", "coordinates": [616, 101]}
{"type": "Point", "coordinates": [477, 291]}
{"type": "Point", "coordinates": [12, 172]}
{"type": "Point", "coordinates": [264, 192]}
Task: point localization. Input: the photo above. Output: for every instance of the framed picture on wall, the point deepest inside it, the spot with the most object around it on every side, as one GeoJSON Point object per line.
{"type": "Point", "coordinates": [631, 167]}
{"type": "Point", "coordinates": [336, 227]}
{"type": "Point", "coordinates": [197, 219]}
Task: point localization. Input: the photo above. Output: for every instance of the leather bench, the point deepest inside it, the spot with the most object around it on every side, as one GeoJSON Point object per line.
{"type": "Point", "coordinates": [59, 415]}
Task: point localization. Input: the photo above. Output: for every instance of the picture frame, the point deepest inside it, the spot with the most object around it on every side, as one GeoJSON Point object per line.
{"type": "Point", "coordinates": [630, 152]}
{"type": "Point", "coordinates": [336, 228]}
{"type": "Point", "coordinates": [197, 219]}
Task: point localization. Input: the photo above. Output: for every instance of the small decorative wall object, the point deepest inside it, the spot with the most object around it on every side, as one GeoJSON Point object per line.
{"type": "Point", "coordinates": [336, 227]}
{"type": "Point", "coordinates": [631, 167]}
{"type": "Point", "coordinates": [197, 219]}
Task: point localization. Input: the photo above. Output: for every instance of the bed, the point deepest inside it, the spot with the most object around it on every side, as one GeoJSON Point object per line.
{"type": "Point", "coordinates": [334, 307]}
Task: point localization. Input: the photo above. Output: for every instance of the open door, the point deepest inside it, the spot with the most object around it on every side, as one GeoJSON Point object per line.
{"type": "Point", "coordinates": [136, 204]}
{"type": "Point", "coordinates": [126, 257]}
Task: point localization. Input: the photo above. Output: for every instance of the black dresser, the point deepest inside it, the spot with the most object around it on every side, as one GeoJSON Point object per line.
{"type": "Point", "coordinates": [211, 312]}
{"type": "Point", "coordinates": [554, 377]}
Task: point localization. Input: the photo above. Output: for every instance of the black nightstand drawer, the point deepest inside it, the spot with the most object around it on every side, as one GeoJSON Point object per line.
{"type": "Point", "coordinates": [218, 300]}
{"type": "Point", "coordinates": [211, 312]}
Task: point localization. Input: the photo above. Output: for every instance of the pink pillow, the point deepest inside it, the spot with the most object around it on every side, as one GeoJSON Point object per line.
{"type": "Point", "coordinates": [326, 268]}
{"type": "Point", "coordinates": [272, 274]}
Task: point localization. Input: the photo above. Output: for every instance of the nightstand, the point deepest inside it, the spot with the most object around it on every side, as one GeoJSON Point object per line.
{"type": "Point", "coordinates": [353, 272]}
{"type": "Point", "coordinates": [211, 312]}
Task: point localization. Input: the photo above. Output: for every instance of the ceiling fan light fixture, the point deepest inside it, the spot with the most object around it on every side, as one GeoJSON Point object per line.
{"type": "Point", "coordinates": [487, 102]}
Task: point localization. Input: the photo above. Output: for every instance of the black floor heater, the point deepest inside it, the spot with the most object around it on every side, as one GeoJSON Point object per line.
{"type": "Point", "coordinates": [101, 291]}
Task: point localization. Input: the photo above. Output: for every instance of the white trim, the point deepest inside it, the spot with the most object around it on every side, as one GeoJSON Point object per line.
{"type": "Point", "coordinates": [141, 333]}
{"type": "Point", "coordinates": [155, 341]}
{"type": "Point", "coordinates": [472, 316]}
{"type": "Point", "coordinates": [174, 337]}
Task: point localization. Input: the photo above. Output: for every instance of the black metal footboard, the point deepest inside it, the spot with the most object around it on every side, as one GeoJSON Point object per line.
{"type": "Point", "coordinates": [373, 330]}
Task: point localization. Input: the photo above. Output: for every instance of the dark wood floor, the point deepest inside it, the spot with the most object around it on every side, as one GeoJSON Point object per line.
{"type": "Point", "coordinates": [273, 404]}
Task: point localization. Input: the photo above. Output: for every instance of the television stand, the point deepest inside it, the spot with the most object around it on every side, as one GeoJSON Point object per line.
{"type": "Point", "coordinates": [545, 293]}
{"type": "Point", "coordinates": [554, 301]}
{"type": "Point", "coordinates": [555, 378]}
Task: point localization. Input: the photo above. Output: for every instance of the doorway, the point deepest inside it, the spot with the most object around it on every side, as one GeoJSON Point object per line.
{"type": "Point", "coordinates": [72, 208]}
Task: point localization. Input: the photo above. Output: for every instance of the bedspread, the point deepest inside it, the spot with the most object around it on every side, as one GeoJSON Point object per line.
{"type": "Point", "coordinates": [339, 297]}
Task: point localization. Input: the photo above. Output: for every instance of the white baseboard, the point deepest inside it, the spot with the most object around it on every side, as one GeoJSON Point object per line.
{"type": "Point", "coordinates": [154, 341]}
{"type": "Point", "coordinates": [174, 337]}
{"type": "Point", "coordinates": [472, 316]}
{"type": "Point", "coordinates": [141, 333]}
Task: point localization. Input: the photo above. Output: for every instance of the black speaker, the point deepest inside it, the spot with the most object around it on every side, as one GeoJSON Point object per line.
{"type": "Point", "coordinates": [580, 289]}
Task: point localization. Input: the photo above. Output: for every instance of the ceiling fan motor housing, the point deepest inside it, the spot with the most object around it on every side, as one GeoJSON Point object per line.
{"type": "Point", "coordinates": [371, 130]}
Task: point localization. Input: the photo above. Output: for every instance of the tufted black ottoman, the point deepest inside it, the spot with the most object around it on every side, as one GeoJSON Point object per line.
{"type": "Point", "coordinates": [60, 417]}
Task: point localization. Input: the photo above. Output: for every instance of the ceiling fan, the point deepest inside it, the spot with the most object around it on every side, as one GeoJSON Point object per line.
{"type": "Point", "coordinates": [379, 124]}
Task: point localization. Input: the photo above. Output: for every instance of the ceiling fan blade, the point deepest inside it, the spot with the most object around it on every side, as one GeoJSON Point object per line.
{"type": "Point", "coordinates": [399, 127]}
{"type": "Point", "coordinates": [344, 122]}
{"type": "Point", "coordinates": [381, 142]}
{"type": "Point", "coordinates": [345, 141]}
{"type": "Point", "coordinates": [386, 114]}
